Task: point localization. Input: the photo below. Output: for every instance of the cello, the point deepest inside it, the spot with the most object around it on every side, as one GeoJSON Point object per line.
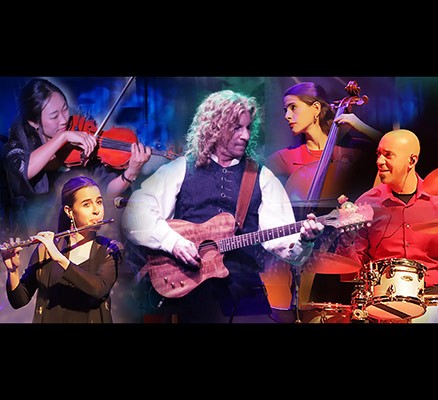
{"type": "Point", "coordinates": [312, 185]}
{"type": "Point", "coordinates": [323, 181]}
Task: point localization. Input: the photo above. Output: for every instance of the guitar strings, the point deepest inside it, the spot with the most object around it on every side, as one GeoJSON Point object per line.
{"type": "Point", "coordinates": [257, 234]}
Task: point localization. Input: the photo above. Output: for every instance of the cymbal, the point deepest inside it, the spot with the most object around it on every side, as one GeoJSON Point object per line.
{"type": "Point", "coordinates": [430, 227]}
{"type": "Point", "coordinates": [430, 183]}
{"type": "Point", "coordinates": [322, 262]}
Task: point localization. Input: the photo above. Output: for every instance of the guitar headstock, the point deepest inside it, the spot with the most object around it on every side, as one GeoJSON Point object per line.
{"type": "Point", "coordinates": [170, 154]}
{"type": "Point", "coordinates": [350, 216]}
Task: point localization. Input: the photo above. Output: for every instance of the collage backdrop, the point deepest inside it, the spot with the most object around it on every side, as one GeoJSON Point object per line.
{"type": "Point", "coordinates": [159, 110]}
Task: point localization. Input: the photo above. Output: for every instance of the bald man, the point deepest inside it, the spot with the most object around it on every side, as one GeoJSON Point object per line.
{"type": "Point", "coordinates": [400, 262]}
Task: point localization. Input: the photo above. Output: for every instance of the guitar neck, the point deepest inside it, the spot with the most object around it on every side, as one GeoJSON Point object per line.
{"type": "Point", "coordinates": [161, 153]}
{"type": "Point", "coordinates": [164, 153]}
{"type": "Point", "coordinates": [253, 238]}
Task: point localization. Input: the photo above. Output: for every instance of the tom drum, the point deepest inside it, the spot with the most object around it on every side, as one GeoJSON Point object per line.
{"type": "Point", "coordinates": [397, 289]}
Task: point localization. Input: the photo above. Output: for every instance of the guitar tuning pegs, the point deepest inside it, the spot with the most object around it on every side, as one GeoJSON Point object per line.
{"type": "Point", "coordinates": [342, 199]}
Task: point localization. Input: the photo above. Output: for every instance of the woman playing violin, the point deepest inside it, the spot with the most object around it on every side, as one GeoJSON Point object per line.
{"type": "Point", "coordinates": [73, 275]}
{"type": "Point", "coordinates": [39, 131]}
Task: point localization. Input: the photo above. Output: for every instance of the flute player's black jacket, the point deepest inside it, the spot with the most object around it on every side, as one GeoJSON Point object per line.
{"type": "Point", "coordinates": [80, 294]}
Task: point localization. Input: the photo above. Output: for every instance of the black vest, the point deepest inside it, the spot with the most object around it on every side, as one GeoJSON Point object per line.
{"type": "Point", "coordinates": [213, 189]}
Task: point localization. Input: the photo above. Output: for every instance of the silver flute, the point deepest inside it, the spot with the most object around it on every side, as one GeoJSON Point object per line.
{"type": "Point", "coordinates": [30, 242]}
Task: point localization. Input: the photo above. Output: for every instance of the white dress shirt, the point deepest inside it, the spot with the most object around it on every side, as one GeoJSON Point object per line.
{"type": "Point", "coordinates": [144, 220]}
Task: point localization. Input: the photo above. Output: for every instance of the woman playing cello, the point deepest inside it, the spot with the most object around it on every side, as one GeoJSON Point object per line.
{"type": "Point", "coordinates": [309, 113]}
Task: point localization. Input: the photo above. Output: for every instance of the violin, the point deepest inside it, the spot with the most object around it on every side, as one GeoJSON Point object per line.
{"type": "Point", "coordinates": [319, 182]}
{"type": "Point", "coordinates": [113, 145]}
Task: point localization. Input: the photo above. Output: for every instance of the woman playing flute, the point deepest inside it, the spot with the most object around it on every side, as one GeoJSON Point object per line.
{"type": "Point", "coordinates": [73, 274]}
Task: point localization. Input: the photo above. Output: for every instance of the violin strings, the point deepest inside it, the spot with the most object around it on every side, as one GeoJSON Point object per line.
{"type": "Point", "coordinates": [115, 144]}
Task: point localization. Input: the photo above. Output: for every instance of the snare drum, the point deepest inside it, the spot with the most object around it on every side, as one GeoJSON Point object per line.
{"type": "Point", "coordinates": [397, 289]}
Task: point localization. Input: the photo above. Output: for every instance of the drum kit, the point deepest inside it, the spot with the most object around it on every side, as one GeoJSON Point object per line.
{"type": "Point", "coordinates": [390, 290]}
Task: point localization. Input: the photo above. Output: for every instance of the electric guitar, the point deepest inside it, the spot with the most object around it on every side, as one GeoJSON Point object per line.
{"type": "Point", "coordinates": [213, 238]}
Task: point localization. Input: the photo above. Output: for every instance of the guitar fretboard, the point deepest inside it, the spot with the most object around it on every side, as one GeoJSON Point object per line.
{"type": "Point", "coordinates": [253, 238]}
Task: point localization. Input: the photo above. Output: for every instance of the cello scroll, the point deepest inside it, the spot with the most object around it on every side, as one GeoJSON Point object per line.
{"type": "Point", "coordinates": [353, 89]}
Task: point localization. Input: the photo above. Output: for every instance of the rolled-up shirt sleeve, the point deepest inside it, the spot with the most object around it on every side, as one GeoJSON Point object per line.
{"type": "Point", "coordinates": [144, 219]}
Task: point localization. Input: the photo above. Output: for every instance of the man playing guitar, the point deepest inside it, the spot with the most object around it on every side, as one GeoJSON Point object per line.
{"type": "Point", "coordinates": [196, 196]}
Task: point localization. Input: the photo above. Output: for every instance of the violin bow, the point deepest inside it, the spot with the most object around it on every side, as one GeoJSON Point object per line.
{"type": "Point", "coordinates": [105, 120]}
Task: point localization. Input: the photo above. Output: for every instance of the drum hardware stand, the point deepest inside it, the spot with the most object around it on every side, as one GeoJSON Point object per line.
{"type": "Point", "coordinates": [295, 289]}
{"type": "Point", "coordinates": [359, 299]}
{"type": "Point", "coordinates": [323, 317]}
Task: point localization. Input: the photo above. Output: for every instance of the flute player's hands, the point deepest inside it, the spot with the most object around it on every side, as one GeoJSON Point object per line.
{"type": "Point", "coordinates": [47, 239]}
{"type": "Point", "coordinates": [11, 255]}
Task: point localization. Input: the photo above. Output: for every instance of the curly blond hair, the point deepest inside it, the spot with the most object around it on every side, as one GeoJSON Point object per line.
{"type": "Point", "coordinates": [215, 118]}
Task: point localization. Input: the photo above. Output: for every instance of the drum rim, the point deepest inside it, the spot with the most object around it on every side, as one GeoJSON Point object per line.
{"type": "Point", "coordinates": [416, 300]}
{"type": "Point", "coordinates": [398, 260]}
{"type": "Point", "coordinates": [396, 299]}
{"type": "Point", "coordinates": [431, 300]}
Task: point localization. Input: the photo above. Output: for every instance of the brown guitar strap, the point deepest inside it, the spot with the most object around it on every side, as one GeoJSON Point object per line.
{"type": "Point", "coordinates": [246, 189]}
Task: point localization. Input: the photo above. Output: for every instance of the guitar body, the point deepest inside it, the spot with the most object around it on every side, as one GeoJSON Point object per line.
{"type": "Point", "coordinates": [172, 279]}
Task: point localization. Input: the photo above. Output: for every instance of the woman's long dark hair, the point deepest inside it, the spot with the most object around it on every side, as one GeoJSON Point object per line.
{"type": "Point", "coordinates": [30, 103]}
{"type": "Point", "coordinates": [309, 92]}
{"type": "Point", "coordinates": [68, 197]}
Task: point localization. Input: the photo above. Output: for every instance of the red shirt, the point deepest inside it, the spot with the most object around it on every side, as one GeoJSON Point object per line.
{"type": "Point", "coordinates": [351, 175]}
{"type": "Point", "coordinates": [391, 235]}
{"type": "Point", "coordinates": [286, 161]}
